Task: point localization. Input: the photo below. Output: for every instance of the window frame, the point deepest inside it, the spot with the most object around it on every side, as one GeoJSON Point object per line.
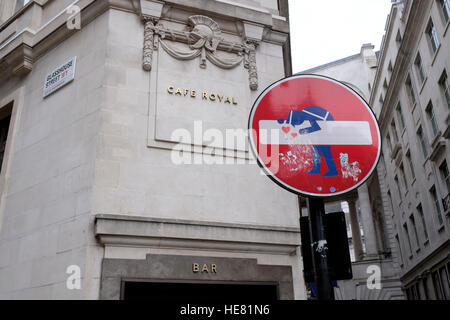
{"type": "Point", "coordinates": [432, 118]}
{"type": "Point", "coordinates": [403, 174]}
{"type": "Point", "coordinates": [445, 10]}
{"type": "Point", "coordinates": [389, 142]}
{"type": "Point", "coordinates": [412, 221]}
{"type": "Point", "coordinates": [410, 91]}
{"type": "Point", "coordinates": [20, 4]}
{"type": "Point", "coordinates": [421, 135]}
{"type": "Point", "coordinates": [419, 210]}
{"type": "Point", "coordinates": [408, 238]}
{"type": "Point", "coordinates": [418, 63]}
{"type": "Point", "coordinates": [399, 111]}
{"type": "Point", "coordinates": [410, 164]}
{"type": "Point", "coordinates": [432, 36]}
{"type": "Point", "coordinates": [445, 178]}
{"type": "Point", "coordinates": [400, 253]}
{"type": "Point", "coordinates": [436, 204]}
{"type": "Point", "coordinates": [445, 87]}
{"type": "Point", "coordinates": [394, 132]}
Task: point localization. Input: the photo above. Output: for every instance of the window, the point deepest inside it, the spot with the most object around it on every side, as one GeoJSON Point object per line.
{"type": "Point", "coordinates": [20, 4]}
{"type": "Point", "coordinates": [411, 165]}
{"type": "Point", "coordinates": [410, 91]}
{"type": "Point", "coordinates": [402, 173]}
{"type": "Point", "coordinates": [390, 68]}
{"type": "Point", "coordinates": [5, 119]}
{"type": "Point", "coordinates": [394, 131]}
{"type": "Point", "coordinates": [445, 174]}
{"type": "Point", "coordinates": [419, 68]}
{"type": "Point", "coordinates": [389, 141]}
{"type": "Point", "coordinates": [413, 224]}
{"type": "Point", "coordinates": [422, 142]}
{"type": "Point", "coordinates": [445, 4]}
{"type": "Point", "coordinates": [399, 249]}
{"type": "Point", "coordinates": [398, 38]}
{"type": "Point", "coordinates": [443, 83]}
{"type": "Point", "coordinates": [398, 187]}
{"type": "Point", "coordinates": [437, 207]}
{"type": "Point", "coordinates": [400, 116]}
{"type": "Point", "coordinates": [432, 36]}
{"type": "Point", "coordinates": [432, 118]}
{"type": "Point", "coordinates": [390, 201]}
{"type": "Point", "coordinates": [422, 219]}
{"type": "Point", "coordinates": [405, 229]}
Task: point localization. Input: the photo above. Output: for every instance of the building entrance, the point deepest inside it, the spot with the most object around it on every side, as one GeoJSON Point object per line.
{"type": "Point", "coordinates": [170, 291]}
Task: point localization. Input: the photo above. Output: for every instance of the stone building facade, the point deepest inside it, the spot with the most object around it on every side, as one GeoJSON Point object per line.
{"type": "Point", "coordinates": [411, 98]}
{"type": "Point", "coordinates": [371, 239]}
{"type": "Point", "coordinates": [93, 204]}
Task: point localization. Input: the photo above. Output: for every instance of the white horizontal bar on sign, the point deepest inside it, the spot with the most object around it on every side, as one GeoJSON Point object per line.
{"type": "Point", "coordinates": [331, 133]}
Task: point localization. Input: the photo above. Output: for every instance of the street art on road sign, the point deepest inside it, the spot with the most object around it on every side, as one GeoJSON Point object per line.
{"type": "Point", "coordinates": [326, 136]}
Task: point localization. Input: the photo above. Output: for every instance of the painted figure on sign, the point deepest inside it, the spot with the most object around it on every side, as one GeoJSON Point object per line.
{"type": "Point", "coordinates": [314, 114]}
{"type": "Point", "coordinates": [349, 169]}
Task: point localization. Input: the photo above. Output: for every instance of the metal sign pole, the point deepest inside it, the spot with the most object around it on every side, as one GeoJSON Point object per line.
{"type": "Point", "coordinates": [319, 247]}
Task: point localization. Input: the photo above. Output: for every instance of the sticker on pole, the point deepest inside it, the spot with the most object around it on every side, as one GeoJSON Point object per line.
{"type": "Point", "coordinates": [314, 136]}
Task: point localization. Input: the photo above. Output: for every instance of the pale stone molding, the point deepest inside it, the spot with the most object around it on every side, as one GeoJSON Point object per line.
{"type": "Point", "coordinates": [253, 35]}
{"type": "Point", "coordinates": [149, 45]}
{"type": "Point", "coordinates": [250, 63]}
{"type": "Point", "coordinates": [151, 12]}
{"type": "Point", "coordinates": [117, 230]}
{"type": "Point", "coordinates": [151, 8]}
{"type": "Point", "coordinates": [203, 39]}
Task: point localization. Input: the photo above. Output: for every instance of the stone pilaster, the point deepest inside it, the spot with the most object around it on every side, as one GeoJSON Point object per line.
{"type": "Point", "coordinates": [356, 232]}
{"type": "Point", "coordinates": [367, 222]}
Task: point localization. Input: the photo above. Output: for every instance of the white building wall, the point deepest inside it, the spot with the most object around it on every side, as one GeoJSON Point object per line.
{"type": "Point", "coordinates": [84, 151]}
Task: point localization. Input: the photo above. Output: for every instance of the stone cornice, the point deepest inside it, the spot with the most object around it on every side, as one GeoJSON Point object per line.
{"type": "Point", "coordinates": [122, 230]}
{"type": "Point", "coordinates": [22, 47]}
{"type": "Point", "coordinates": [435, 256]}
{"type": "Point", "coordinates": [226, 10]}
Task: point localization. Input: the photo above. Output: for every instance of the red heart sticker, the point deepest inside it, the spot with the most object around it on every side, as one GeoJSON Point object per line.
{"type": "Point", "coordinates": [286, 129]}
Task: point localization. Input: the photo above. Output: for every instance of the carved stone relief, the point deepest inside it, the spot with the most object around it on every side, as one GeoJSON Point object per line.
{"type": "Point", "coordinates": [203, 40]}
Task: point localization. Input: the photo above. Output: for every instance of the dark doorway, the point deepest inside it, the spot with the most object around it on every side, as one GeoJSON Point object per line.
{"type": "Point", "coordinates": [170, 291]}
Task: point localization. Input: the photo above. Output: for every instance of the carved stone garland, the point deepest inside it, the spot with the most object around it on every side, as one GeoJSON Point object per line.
{"type": "Point", "coordinates": [149, 46]}
{"type": "Point", "coordinates": [250, 63]}
{"type": "Point", "coordinates": [203, 40]}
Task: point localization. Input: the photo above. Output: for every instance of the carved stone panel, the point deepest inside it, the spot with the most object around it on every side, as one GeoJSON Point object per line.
{"type": "Point", "coordinates": [204, 41]}
{"type": "Point", "coordinates": [197, 74]}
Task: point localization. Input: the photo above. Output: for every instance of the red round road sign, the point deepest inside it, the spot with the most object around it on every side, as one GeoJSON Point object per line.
{"type": "Point", "coordinates": [314, 136]}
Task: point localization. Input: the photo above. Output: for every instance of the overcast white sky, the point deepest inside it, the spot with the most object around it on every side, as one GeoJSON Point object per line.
{"type": "Point", "coordinates": [326, 30]}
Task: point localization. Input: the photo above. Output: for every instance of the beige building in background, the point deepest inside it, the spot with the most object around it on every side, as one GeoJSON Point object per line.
{"type": "Point", "coordinates": [369, 224]}
{"type": "Point", "coordinates": [88, 186]}
{"type": "Point", "coordinates": [411, 98]}
{"type": "Point", "coordinates": [407, 85]}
